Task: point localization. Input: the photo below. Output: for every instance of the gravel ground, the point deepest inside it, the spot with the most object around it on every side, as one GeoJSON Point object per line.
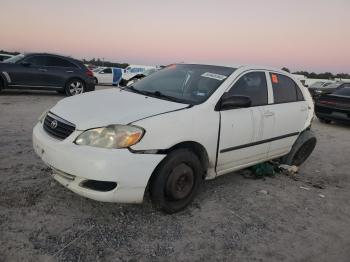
{"type": "Point", "coordinates": [232, 219]}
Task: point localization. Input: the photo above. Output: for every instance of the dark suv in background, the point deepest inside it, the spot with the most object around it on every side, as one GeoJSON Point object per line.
{"type": "Point", "coordinates": [46, 72]}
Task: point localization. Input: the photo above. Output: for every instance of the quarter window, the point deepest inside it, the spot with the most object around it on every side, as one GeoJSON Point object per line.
{"type": "Point", "coordinates": [252, 85]}
{"type": "Point", "coordinates": [285, 89]}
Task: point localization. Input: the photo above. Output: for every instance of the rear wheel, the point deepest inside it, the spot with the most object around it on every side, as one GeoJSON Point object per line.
{"type": "Point", "coordinates": [301, 150]}
{"type": "Point", "coordinates": [75, 87]}
{"type": "Point", "coordinates": [326, 121]}
{"type": "Point", "coordinates": [176, 181]}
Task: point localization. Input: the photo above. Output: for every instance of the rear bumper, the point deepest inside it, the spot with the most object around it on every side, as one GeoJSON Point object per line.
{"type": "Point", "coordinates": [330, 113]}
{"type": "Point", "coordinates": [90, 85]}
{"type": "Point", "coordinates": [73, 164]}
{"type": "Point", "coordinates": [333, 117]}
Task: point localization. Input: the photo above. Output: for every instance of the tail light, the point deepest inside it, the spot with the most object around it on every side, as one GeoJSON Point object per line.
{"type": "Point", "coordinates": [327, 102]}
{"type": "Point", "coordinates": [89, 73]}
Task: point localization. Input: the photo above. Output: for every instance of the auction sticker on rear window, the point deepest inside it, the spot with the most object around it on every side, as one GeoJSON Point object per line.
{"type": "Point", "coordinates": [214, 76]}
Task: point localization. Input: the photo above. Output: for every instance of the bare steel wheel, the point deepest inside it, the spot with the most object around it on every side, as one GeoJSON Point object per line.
{"type": "Point", "coordinates": [75, 87]}
{"type": "Point", "coordinates": [180, 182]}
{"type": "Point", "coordinates": [176, 180]}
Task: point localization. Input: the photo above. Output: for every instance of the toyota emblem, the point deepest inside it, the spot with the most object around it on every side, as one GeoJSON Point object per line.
{"type": "Point", "coordinates": [54, 124]}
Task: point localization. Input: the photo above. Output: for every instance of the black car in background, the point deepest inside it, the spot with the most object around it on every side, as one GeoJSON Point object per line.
{"type": "Point", "coordinates": [326, 89]}
{"type": "Point", "coordinates": [42, 71]}
{"type": "Point", "coordinates": [334, 106]}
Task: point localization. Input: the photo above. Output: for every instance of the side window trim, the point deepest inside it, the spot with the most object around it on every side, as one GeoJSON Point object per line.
{"type": "Point", "coordinates": [247, 72]}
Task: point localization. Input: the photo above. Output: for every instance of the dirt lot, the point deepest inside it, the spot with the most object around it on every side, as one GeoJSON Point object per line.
{"type": "Point", "coordinates": [232, 219]}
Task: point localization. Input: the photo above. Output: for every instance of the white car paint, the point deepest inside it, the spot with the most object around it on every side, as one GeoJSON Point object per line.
{"type": "Point", "coordinates": [168, 124]}
{"type": "Point", "coordinates": [133, 70]}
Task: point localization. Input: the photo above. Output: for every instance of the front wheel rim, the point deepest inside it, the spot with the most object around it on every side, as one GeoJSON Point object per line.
{"type": "Point", "coordinates": [180, 182]}
{"type": "Point", "coordinates": [76, 87]}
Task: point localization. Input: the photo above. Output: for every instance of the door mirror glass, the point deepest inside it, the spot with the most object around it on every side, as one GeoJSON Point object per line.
{"type": "Point", "coordinates": [228, 102]}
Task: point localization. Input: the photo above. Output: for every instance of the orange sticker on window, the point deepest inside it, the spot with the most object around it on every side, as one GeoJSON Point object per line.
{"type": "Point", "coordinates": [274, 79]}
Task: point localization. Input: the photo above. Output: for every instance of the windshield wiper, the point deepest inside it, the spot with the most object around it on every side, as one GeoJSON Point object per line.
{"type": "Point", "coordinates": [156, 94]}
{"type": "Point", "coordinates": [133, 89]}
{"type": "Point", "coordinates": [170, 98]}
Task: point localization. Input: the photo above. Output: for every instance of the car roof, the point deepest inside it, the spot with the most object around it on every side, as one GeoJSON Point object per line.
{"type": "Point", "coordinates": [241, 66]}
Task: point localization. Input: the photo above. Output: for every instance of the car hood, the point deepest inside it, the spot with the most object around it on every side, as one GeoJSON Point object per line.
{"type": "Point", "coordinates": [110, 106]}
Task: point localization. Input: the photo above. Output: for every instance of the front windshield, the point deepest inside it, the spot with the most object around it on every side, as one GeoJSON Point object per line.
{"type": "Point", "coordinates": [14, 59]}
{"type": "Point", "coordinates": [186, 83]}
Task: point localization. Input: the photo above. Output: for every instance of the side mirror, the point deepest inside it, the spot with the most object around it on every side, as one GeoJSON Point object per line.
{"type": "Point", "coordinates": [26, 64]}
{"type": "Point", "coordinates": [228, 102]}
{"type": "Point", "coordinates": [101, 73]}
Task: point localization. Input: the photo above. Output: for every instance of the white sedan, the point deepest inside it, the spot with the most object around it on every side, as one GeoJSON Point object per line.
{"type": "Point", "coordinates": [108, 75]}
{"type": "Point", "coordinates": [176, 127]}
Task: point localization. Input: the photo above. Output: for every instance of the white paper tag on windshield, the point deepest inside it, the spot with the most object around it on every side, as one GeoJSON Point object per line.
{"type": "Point", "coordinates": [214, 76]}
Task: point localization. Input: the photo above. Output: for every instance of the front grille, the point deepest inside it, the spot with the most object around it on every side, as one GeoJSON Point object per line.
{"type": "Point", "coordinates": [58, 127]}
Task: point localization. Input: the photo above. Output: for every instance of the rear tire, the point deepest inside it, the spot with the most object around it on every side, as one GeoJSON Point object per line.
{"type": "Point", "coordinates": [176, 181]}
{"type": "Point", "coordinates": [301, 150]}
{"type": "Point", "coordinates": [75, 87]}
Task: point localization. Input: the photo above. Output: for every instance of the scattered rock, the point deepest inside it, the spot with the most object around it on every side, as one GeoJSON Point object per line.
{"type": "Point", "coordinates": [305, 188]}
{"type": "Point", "coordinates": [263, 192]}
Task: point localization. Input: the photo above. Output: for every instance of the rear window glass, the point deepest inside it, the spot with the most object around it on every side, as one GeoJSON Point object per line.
{"type": "Point", "coordinates": [285, 90]}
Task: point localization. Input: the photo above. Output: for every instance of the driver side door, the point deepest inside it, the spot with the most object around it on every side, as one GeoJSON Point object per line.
{"type": "Point", "coordinates": [243, 130]}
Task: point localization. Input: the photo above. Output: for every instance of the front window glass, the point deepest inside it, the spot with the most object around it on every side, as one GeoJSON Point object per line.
{"type": "Point", "coordinates": [14, 59]}
{"type": "Point", "coordinates": [36, 60]}
{"type": "Point", "coordinates": [185, 83]}
{"type": "Point", "coordinates": [107, 71]}
{"type": "Point", "coordinates": [252, 85]}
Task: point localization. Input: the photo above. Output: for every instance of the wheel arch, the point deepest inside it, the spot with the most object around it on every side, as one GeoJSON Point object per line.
{"type": "Point", "coordinates": [195, 147]}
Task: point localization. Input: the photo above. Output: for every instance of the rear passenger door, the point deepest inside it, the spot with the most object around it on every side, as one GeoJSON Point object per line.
{"type": "Point", "coordinates": [243, 131]}
{"type": "Point", "coordinates": [58, 70]}
{"type": "Point", "coordinates": [289, 110]}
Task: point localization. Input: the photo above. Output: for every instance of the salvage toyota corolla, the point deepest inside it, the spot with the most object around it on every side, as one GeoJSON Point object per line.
{"type": "Point", "coordinates": [173, 129]}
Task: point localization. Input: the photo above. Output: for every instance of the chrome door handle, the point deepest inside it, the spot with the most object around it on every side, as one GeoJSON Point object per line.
{"type": "Point", "coordinates": [69, 71]}
{"type": "Point", "coordinates": [268, 113]}
{"type": "Point", "coordinates": [42, 70]}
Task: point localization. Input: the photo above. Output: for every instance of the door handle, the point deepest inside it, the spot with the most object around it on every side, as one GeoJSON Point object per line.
{"type": "Point", "coordinates": [268, 113]}
{"type": "Point", "coordinates": [69, 71]}
{"type": "Point", "coordinates": [303, 109]}
{"type": "Point", "coordinates": [42, 70]}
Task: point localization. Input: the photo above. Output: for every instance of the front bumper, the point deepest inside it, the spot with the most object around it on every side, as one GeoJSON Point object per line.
{"type": "Point", "coordinates": [73, 164]}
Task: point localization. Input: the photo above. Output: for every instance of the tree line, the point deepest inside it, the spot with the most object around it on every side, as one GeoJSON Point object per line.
{"type": "Point", "coordinates": [99, 62]}
{"type": "Point", "coordinates": [326, 75]}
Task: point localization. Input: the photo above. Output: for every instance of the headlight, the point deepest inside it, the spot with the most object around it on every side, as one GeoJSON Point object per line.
{"type": "Point", "coordinates": [113, 136]}
{"type": "Point", "coordinates": [42, 116]}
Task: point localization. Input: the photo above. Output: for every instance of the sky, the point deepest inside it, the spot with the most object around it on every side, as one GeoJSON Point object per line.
{"type": "Point", "coordinates": [312, 35]}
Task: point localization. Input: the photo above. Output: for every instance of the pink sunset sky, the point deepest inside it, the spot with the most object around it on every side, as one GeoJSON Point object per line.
{"type": "Point", "coordinates": [299, 34]}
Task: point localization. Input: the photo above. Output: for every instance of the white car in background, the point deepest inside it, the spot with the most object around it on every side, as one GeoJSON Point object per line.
{"type": "Point", "coordinates": [108, 75]}
{"type": "Point", "coordinates": [133, 70]}
{"type": "Point", "coordinates": [176, 127]}
{"type": "Point", "coordinates": [4, 57]}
